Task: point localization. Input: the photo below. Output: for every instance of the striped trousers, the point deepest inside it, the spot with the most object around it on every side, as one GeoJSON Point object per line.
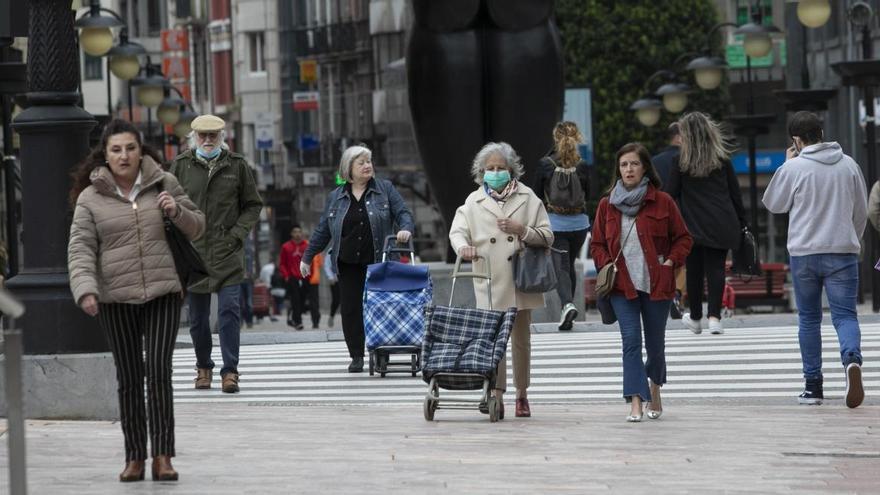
{"type": "Point", "coordinates": [130, 328]}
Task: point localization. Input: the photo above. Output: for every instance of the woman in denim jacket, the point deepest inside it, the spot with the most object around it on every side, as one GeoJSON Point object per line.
{"type": "Point", "coordinates": [356, 219]}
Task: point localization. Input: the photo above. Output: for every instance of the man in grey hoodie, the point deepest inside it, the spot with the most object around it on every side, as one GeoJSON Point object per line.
{"type": "Point", "coordinates": [824, 193]}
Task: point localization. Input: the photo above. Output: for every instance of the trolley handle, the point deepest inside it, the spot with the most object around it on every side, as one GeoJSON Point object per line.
{"type": "Point", "coordinates": [457, 273]}
{"type": "Point", "coordinates": [409, 247]}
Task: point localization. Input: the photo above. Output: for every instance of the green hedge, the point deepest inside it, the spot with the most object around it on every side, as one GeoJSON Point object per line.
{"type": "Point", "coordinates": [614, 46]}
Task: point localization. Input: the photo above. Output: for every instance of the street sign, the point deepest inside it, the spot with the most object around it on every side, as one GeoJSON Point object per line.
{"type": "Point", "coordinates": [766, 162]}
{"type": "Point", "coordinates": [304, 101]}
{"type": "Point", "coordinates": [308, 71]}
{"type": "Point", "coordinates": [579, 109]}
{"type": "Point", "coordinates": [264, 130]}
{"type": "Point", "coordinates": [308, 142]}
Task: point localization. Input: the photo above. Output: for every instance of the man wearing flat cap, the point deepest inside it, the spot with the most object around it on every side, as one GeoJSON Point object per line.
{"type": "Point", "coordinates": [222, 185]}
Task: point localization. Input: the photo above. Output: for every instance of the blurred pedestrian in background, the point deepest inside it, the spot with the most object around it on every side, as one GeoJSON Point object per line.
{"type": "Point", "coordinates": [272, 277]}
{"type": "Point", "coordinates": [494, 222]}
{"type": "Point", "coordinates": [563, 185]}
{"type": "Point", "coordinates": [357, 217]}
{"type": "Point", "coordinates": [663, 163]}
{"type": "Point", "coordinates": [708, 193]}
{"type": "Point", "coordinates": [220, 183]}
{"type": "Point", "coordinates": [289, 260]}
{"type": "Point", "coordinates": [642, 225]}
{"type": "Point", "coordinates": [122, 271]}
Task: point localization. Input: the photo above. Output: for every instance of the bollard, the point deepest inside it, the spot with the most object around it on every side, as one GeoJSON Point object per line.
{"type": "Point", "coordinates": [13, 309]}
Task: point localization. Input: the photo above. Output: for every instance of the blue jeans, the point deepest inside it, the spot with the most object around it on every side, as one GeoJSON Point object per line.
{"type": "Point", "coordinates": [631, 313]}
{"type": "Point", "coordinates": [247, 301]}
{"type": "Point", "coordinates": [839, 274]}
{"type": "Point", "coordinates": [229, 317]}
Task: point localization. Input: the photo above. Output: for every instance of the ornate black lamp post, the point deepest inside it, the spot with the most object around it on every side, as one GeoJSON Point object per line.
{"type": "Point", "coordinates": [54, 137]}
{"type": "Point", "coordinates": [865, 74]}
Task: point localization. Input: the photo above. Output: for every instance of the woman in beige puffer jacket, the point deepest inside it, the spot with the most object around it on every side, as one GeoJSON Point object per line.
{"type": "Point", "coordinates": [122, 271]}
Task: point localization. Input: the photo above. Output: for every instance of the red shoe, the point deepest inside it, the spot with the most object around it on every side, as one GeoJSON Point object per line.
{"type": "Point", "coordinates": [522, 408]}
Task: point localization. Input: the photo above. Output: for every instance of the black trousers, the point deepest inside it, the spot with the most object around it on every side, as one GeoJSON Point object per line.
{"type": "Point", "coordinates": [314, 309]}
{"type": "Point", "coordinates": [130, 329]}
{"type": "Point", "coordinates": [705, 262]}
{"type": "Point", "coordinates": [334, 298]}
{"type": "Point", "coordinates": [296, 291]}
{"type": "Point", "coordinates": [351, 290]}
{"type": "Point", "coordinates": [567, 275]}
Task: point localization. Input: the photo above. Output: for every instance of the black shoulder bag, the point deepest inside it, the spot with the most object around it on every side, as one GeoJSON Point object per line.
{"type": "Point", "coordinates": [187, 260]}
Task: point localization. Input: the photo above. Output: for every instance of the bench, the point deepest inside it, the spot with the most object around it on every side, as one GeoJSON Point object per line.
{"type": "Point", "coordinates": [767, 289]}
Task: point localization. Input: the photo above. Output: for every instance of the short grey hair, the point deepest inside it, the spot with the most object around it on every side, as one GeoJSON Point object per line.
{"type": "Point", "coordinates": [478, 168]}
{"type": "Point", "coordinates": [351, 154]}
{"type": "Point", "coordinates": [221, 138]}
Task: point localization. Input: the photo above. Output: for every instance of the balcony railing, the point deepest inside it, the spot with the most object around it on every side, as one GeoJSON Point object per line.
{"type": "Point", "coordinates": [332, 38]}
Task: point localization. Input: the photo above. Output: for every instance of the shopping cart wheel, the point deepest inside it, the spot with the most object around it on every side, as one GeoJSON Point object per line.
{"type": "Point", "coordinates": [372, 363]}
{"type": "Point", "coordinates": [493, 409]}
{"type": "Point", "coordinates": [429, 407]}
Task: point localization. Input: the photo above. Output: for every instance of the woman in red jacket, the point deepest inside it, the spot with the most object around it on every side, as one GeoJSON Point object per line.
{"type": "Point", "coordinates": [644, 225]}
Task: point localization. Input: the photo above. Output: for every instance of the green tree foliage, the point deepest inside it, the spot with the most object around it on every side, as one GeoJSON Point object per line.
{"type": "Point", "coordinates": [613, 46]}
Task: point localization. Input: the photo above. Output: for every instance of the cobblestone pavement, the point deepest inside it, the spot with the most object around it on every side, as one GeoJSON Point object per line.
{"type": "Point", "coordinates": [719, 446]}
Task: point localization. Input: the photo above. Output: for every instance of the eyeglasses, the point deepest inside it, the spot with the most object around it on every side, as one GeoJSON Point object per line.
{"type": "Point", "coordinates": [207, 135]}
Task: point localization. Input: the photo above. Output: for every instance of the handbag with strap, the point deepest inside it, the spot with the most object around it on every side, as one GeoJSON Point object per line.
{"type": "Point", "coordinates": [534, 270]}
{"type": "Point", "coordinates": [187, 260]}
{"type": "Point", "coordinates": [606, 276]}
{"type": "Point", "coordinates": [745, 258]}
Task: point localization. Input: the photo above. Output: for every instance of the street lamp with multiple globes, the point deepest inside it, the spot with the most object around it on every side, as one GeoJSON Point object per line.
{"type": "Point", "coordinates": [671, 96]}
{"type": "Point", "coordinates": [96, 39]}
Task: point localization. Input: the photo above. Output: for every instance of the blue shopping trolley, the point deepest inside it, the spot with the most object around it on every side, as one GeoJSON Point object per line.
{"type": "Point", "coordinates": [395, 296]}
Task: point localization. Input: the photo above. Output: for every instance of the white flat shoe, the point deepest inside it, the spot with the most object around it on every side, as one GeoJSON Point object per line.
{"type": "Point", "coordinates": [652, 414]}
{"type": "Point", "coordinates": [632, 418]}
{"type": "Point", "coordinates": [695, 326]}
{"type": "Point", "coordinates": [715, 327]}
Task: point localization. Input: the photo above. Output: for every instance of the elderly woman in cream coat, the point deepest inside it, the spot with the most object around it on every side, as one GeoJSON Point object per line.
{"type": "Point", "coordinates": [495, 221]}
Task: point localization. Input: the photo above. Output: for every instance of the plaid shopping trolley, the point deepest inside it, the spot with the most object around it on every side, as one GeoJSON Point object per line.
{"type": "Point", "coordinates": [462, 349]}
{"type": "Point", "coordinates": [395, 296]}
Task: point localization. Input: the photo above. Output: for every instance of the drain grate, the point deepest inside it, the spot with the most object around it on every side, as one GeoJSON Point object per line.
{"type": "Point", "coordinates": [849, 455]}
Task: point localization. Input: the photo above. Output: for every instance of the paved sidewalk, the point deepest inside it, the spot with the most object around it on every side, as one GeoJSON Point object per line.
{"type": "Point", "coordinates": [705, 447]}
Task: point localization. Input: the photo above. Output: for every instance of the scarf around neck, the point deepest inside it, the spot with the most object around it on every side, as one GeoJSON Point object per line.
{"type": "Point", "coordinates": [503, 194]}
{"type": "Point", "coordinates": [628, 201]}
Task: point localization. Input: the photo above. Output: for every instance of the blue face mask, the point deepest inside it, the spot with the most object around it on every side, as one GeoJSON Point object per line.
{"type": "Point", "coordinates": [208, 155]}
{"type": "Point", "coordinates": [496, 179]}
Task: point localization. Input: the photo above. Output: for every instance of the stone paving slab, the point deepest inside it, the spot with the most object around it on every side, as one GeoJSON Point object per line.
{"type": "Point", "coordinates": [719, 447]}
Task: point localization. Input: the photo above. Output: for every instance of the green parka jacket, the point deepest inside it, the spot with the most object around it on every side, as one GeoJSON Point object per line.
{"type": "Point", "coordinates": [227, 194]}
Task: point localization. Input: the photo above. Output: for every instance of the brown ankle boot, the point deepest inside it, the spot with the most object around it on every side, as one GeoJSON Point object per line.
{"type": "Point", "coordinates": [230, 382]}
{"type": "Point", "coordinates": [162, 469]}
{"type": "Point", "coordinates": [134, 471]}
{"type": "Point", "coordinates": [203, 380]}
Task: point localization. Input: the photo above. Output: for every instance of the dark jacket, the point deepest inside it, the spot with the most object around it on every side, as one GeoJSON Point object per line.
{"type": "Point", "coordinates": [711, 206]}
{"type": "Point", "coordinates": [385, 208]}
{"type": "Point", "coordinates": [545, 170]}
{"type": "Point", "coordinates": [228, 196]}
{"type": "Point", "coordinates": [663, 163]}
{"type": "Point", "coordinates": [661, 231]}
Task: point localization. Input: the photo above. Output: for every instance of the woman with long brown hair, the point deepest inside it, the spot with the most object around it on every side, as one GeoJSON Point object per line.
{"type": "Point", "coordinates": [122, 272]}
{"type": "Point", "coordinates": [639, 229]}
{"type": "Point", "coordinates": [563, 185]}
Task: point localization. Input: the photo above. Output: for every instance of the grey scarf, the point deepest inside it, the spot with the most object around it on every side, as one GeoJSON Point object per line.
{"type": "Point", "coordinates": [628, 201]}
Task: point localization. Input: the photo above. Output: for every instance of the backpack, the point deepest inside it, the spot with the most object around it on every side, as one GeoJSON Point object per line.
{"type": "Point", "coordinates": [563, 193]}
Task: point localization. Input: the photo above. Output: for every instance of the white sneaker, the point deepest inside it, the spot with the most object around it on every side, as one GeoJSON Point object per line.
{"type": "Point", "coordinates": [695, 326]}
{"type": "Point", "coordinates": [715, 327]}
{"type": "Point", "coordinates": [566, 319]}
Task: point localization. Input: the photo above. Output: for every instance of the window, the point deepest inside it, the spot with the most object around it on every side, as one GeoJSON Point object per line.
{"type": "Point", "coordinates": [154, 17]}
{"type": "Point", "coordinates": [93, 68]}
{"type": "Point", "coordinates": [255, 45]}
